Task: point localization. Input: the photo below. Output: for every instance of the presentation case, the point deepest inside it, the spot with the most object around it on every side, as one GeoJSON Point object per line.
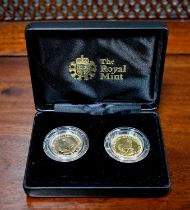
{"type": "Point", "coordinates": [96, 76]}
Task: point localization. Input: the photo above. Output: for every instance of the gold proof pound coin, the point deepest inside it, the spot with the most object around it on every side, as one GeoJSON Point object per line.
{"type": "Point", "coordinates": [65, 144]}
{"type": "Point", "coordinates": [127, 145]}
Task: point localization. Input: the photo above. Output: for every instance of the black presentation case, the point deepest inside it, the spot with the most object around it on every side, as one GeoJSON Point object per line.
{"type": "Point", "coordinates": [123, 92]}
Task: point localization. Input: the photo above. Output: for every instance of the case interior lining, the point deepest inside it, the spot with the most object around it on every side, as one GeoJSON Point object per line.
{"type": "Point", "coordinates": [51, 54]}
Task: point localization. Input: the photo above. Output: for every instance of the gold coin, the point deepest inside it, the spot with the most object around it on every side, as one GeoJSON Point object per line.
{"type": "Point", "coordinates": [66, 144]}
{"type": "Point", "coordinates": [127, 146]}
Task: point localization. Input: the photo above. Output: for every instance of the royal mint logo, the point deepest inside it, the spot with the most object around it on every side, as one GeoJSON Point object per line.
{"type": "Point", "coordinates": [110, 71]}
{"type": "Point", "coordinates": [84, 69]}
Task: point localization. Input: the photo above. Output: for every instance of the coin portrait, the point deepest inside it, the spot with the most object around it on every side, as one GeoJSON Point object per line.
{"type": "Point", "coordinates": [65, 144]}
{"type": "Point", "coordinates": [126, 144]}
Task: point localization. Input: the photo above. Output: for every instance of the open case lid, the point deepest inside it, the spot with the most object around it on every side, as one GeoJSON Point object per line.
{"type": "Point", "coordinates": [96, 65]}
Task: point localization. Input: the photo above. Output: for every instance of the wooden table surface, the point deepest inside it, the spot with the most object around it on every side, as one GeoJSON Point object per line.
{"type": "Point", "coordinates": [16, 118]}
{"type": "Point", "coordinates": [17, 112]}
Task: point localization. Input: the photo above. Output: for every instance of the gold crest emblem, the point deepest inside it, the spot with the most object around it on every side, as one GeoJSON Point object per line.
{"type": "Point", "coordinates": [82, 68]}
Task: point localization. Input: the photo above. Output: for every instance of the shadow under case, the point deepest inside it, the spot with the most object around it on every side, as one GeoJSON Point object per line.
{"type": "Point", "coordinates": [96, 76]}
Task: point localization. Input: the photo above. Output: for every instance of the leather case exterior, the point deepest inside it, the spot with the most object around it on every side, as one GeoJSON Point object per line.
{"type": "Point", "coordinates": [96, 75]}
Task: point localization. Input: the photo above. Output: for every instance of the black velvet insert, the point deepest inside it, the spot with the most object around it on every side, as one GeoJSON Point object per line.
{"type": "Point", "coordinates": [96, 168]}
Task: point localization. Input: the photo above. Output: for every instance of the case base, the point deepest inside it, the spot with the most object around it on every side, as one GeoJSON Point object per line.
{"type": "Point", "coordinates": [96, 174]}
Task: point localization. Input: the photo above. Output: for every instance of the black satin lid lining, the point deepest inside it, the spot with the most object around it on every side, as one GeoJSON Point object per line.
{"type": "Point", "coordinates": [51, 52]}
